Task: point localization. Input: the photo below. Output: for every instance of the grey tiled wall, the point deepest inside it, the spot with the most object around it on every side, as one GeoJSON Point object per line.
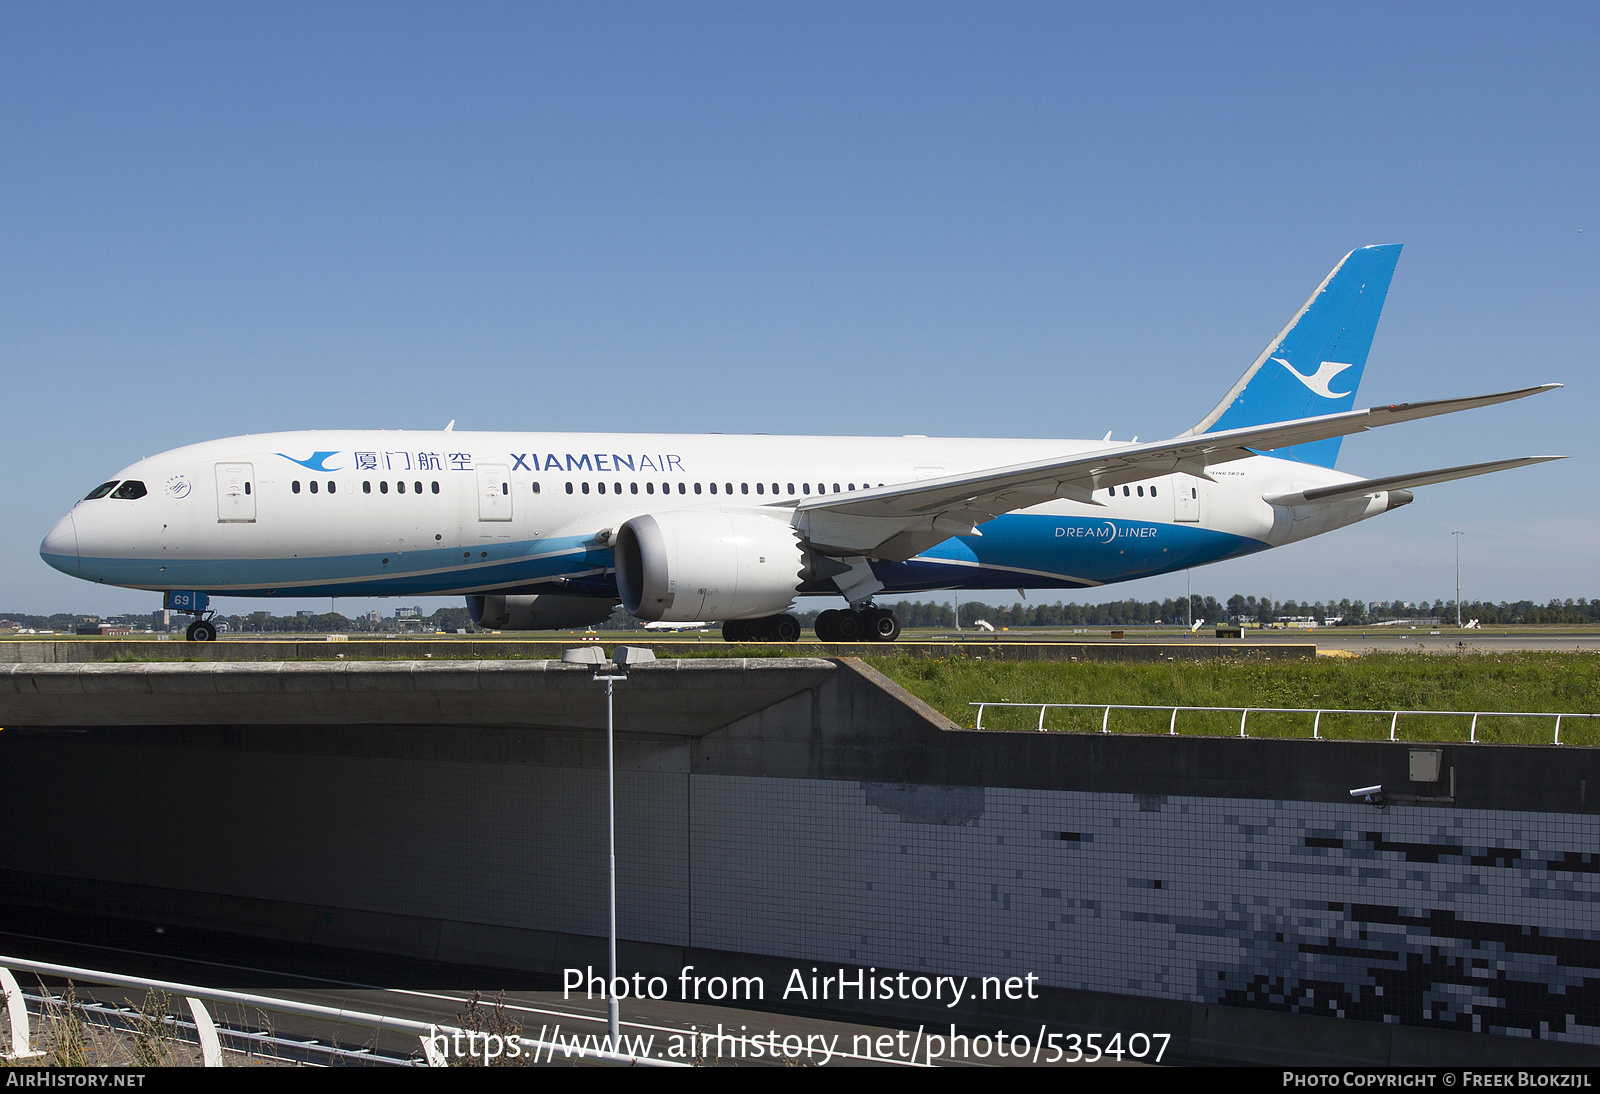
{"type": "Point", "coordinates": [1483, 921]}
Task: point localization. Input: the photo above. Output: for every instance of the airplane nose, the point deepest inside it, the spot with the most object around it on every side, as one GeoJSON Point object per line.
{"type": "Point", "coordinates": [60, 546]}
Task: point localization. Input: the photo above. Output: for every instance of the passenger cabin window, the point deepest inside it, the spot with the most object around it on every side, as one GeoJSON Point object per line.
{"type": "Point", "coordinates": [569, 488]}
{"type": "Point", "coordinates": [649, 488]}
{"type": "Point", "coordinates": [366, 486]}
{"type": "Point", "coordinates": [333, 487]}
{"type": "Point", "coordinates": [400, 487]}
{"type": "Point", "coordinates": [682, 489]}
{"type": "Point", "coordinates": [101, 491]}
{"type": "Point", "coordinates": [418, 487]}
{"type": "Point", "coordinates": [535, 488]}
{"type": "Point", "coordinates": [129, 490]}
{"type": "Point", "coordinates": [313, 485]}
{"type": "Point", "coordinates": [383, 487]}
{"type": "Point", "coordinates": [436, 488]}
{"type": "Point", "coordinates": [696, 488]}
{"type": "Point", "coordinates": [247, 488]}
{"type": "Point", "coordinates": [294, 487]}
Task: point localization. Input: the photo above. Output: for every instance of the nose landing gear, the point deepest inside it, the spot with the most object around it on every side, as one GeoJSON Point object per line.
{"type": "Point", "coordinates": [195, 604]}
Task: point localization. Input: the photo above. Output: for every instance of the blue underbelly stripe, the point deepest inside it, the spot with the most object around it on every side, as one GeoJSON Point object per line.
{"type": "Point", "coordinates": [1027, 550]}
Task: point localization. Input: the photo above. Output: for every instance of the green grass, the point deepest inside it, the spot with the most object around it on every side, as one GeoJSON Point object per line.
{"type": "Point", "coordinates": [1556, 682]}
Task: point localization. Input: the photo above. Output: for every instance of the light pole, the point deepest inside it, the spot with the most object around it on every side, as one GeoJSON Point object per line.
{"type": "Point", "coordinates": [610, 675]}
{"type": "Point", "coordinates": [1458, 579]}
{"type": "Point", "coordinates": [613, 1021]}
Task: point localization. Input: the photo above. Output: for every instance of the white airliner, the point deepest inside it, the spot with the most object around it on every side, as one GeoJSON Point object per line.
{"type": "Point", "coordinates": [548, 530]}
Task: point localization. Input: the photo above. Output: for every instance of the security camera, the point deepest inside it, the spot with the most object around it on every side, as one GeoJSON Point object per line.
{"type": "Point", "coordinates": [1372, 795]}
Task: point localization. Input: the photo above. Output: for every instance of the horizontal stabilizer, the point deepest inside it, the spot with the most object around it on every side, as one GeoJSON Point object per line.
{"type": "Point", "coordinates": [1401, 482]}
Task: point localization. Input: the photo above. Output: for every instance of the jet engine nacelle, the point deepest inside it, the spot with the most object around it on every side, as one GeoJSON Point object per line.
{"type": "Point", "coordinates": [691, 565]}
{"type": "Point", "coordinates": [537, 613]}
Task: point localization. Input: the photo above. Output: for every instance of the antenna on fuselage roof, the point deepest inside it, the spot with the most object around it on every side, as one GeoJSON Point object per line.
{"type": "Point", "coordinates": [1106, 438]}
{"type": "Point", "coordinates": [451, 427]}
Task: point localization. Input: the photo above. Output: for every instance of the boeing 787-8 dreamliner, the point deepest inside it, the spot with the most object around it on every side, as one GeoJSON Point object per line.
{"type": "Point", "coordinates": [547, 530]}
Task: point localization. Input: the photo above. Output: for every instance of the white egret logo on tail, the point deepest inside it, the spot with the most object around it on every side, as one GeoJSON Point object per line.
{"type": "Point", "coordinates": [1321, 379]}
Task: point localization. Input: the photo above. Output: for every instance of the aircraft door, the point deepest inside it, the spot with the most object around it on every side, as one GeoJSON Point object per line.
{"type": "Point", "coordinates": [494, 491]}
{"type": "Point", "coordinates": [1185, 499]}
{"type": "Point", "coordinates": [236, 495]}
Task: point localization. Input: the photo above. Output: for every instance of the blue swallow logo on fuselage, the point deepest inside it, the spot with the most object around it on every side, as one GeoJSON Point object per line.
{"type": "Point", "coordinates": [316, 461]}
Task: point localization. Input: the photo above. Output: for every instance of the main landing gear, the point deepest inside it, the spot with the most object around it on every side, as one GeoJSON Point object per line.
{"type": "Point", "coordinates": [774, 628]}
{"type": "Point", "coordinates": [867, 625]}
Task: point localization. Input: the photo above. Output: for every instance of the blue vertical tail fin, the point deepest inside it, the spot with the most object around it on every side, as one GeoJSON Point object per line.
{"type": "Point", "coordinates": [1314, 365]}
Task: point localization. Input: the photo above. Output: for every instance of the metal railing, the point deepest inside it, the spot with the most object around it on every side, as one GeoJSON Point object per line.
{"type": "Point", "coordinates": [428, 1032]}
{"type": "Point", "coordinates": [1316, 713]}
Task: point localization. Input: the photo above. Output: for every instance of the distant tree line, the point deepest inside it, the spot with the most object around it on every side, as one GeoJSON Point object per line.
{"type": "Point", "coordinates": [915, 613]}
{"type": "Point", "coordinates": [1242, 609]}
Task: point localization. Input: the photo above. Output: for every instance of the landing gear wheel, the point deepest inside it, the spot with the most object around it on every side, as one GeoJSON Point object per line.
{"type": "Point", "coordinates": [772, 628]}
{"type": "Point", "coordinates": [881, 624]}
{"type": "Point", "coordinates": [828, 625]}
{"type": "Point", "coordinates": [848, 626]}
{"type": "Point", "coordinates": [201, 630]}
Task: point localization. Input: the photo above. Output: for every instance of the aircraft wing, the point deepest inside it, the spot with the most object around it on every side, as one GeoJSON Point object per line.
{"type": "Point", "coordinates": [1400, 482]}
{"type": "Point", "coordinates": [897, 522]}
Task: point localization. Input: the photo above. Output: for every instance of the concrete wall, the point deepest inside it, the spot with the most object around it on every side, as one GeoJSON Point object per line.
{"type": "Point", "coordinates": [804, 811]}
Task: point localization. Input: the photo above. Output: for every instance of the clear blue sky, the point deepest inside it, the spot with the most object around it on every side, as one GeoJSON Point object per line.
{"type": "Point", "coordinates": [975, 219]}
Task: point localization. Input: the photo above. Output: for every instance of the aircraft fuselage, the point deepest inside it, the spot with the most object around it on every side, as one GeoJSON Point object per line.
{"type": "Point", "coordinates": [377, 513]}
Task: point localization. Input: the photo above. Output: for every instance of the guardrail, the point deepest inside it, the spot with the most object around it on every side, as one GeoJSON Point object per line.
{"type": "Point", "coordinates": [1316, 722]}
{"type": "Point", "coordinates": [206, 1030]}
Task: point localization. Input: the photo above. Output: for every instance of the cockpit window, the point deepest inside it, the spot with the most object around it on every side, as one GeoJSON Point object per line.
{"type": "Point", "coordinates": [129, 490]}
{"type": "Point", "coordinates": [101, 491]}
